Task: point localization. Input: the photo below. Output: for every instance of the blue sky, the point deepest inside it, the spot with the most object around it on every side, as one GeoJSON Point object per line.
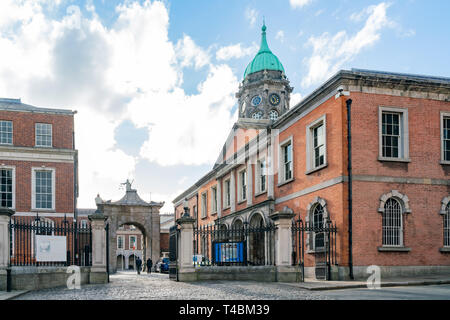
{"type": "Point", "coordinates": [154, 82]}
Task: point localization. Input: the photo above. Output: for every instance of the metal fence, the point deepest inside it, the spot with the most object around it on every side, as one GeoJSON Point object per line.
{"type": "Point", "coordinates": [23, 241]}
{"type": "Point", "coordinates": [320, 241]}
{"type": "Point", "coordinates": [247, 245]}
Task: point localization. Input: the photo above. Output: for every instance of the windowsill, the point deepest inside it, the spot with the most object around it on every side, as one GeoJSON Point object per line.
{"type": "Point", "coordinates": [242, 201]}
{"type": "Point", "coordinates": [444, 249]}
{"type": "Point", "coordinates": [203, 218]}
{"type": "Point", "coordinates": [213, 213]}
{"type": "Point", "coordinates": [321, 250]}
{"type": "Point", "coordinates": [43, 210]}
{"type": "Point", "coordinates": [394, 249]}
{"type": "Point", "coordinates": [317, 168]}
{"type": "Point", "coordinates": [406, 160]}
{"type": "Point", "coordinates": [444, 162]}
{"type": "Point", "coordinates": [46, 147]}
{"type": "Point", "coordinates": [225, 208]}
{"type": "Point", "coordinates": [260, 193]}
{"type": "Point", "coordinates": [285, 182]}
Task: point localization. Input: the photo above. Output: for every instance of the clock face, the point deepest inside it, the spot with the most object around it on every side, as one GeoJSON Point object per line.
{"type": "Point", "coordinates": [274, 99]}
{"type": "Point", "coordinates": [256, 101]}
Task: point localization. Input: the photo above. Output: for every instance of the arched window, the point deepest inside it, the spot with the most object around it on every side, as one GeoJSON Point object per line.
{"type": "Point", "coordinates": [256, 240]}
{"type": "Point", "coordinates": [318, 223]}
{"type": "Point", "coordinates": [237, 230]}
{"type": "Point", "coordinates": [392, 223]}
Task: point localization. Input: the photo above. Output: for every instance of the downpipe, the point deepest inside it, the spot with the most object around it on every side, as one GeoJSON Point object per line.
{"type": "Point", "coordinates": [350, 198]}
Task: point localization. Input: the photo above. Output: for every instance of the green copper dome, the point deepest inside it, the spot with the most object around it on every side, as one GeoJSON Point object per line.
{"type": "Point", "coordinates": [264, 59]}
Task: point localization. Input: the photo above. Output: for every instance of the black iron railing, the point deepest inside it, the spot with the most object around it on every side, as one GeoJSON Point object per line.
{"type": "Point", "coordinates": [246, 245]}
{"type": "Point", "coordinates": [24, 244]}
{"type": "Point", "coordinates": [319, 240]}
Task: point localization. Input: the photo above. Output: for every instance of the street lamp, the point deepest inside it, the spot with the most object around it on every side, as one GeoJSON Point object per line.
{"type": "Point", "coordinates": [186, 208]}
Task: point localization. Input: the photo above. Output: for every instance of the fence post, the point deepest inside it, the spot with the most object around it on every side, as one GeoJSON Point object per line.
{"type": "Point", "coordinates": [98, 272]}
{"type": "Point", "coordinates": [286, 272]}
{"type": "Point", "coordinates": [5, 272]}
{"type": "Point", "coordinates": [186, 270]}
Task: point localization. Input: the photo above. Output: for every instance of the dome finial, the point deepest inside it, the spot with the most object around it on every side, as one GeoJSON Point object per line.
{"type": "Point", "coordinates": [264, 25]}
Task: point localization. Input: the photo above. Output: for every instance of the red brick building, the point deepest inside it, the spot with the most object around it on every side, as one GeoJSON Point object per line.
{"type": "Point", "coordinates": [38, 165]}
{"type": "Point", "coordinates": [385, 183]}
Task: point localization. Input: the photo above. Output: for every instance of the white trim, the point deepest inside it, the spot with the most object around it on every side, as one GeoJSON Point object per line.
{"type": "Point", "coordinates": [204, 203]}
{"type": "Point", "coordinates": [239, 185]}
{"type": "Point", "coordinates": [13, 177]}
{"type": "Point", "coordinates": [443, 114]}
{"type": "Point", "coordinates": [281, 172]}
{"type": "Point", "coordinates": [12, 133]}
{"type": "Point", "coordinates": [258, 185]}
{"type": "Point", "coordinates": [310, 164]}
{"type": "Point", "coordinates": [33, 188]}
{"type": "Point", "coordinates": [35, 135]}
{"type": "Point", "coordinates": [225, 204]}
{"type": "Point", "coordinates": [214, 207]}
{"type": "Point", "coordinates": [123, 242]}
{"type": "Point", "coordinates": [404, 134]}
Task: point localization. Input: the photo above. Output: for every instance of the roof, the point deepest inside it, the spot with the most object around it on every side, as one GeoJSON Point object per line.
{"type": "Point", "coordinates": [7, 104]}
{"type": "Point", "coordinates": [264, 59]}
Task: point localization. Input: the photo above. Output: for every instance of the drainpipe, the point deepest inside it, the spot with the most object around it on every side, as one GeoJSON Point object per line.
{"type": "Point", "coordinates": [349, 142]}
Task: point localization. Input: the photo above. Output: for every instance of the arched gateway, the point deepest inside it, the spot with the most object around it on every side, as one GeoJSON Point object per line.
{"type": "Point", "coordinates": [132, 210]}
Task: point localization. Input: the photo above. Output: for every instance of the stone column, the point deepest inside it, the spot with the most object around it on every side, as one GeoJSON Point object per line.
{"type": "Point", "coordinates": [219, 197]}
{"type": "Point", "coordinates": [98, 272]}
{"type": "Point", "coordinates": [5, 215]}
{"type": "Point", "coordinates": [185, 250]}
{"type": "Point", "coordinates": [283, 246]}
{"type": "Point", "coordinates": [249, 183]}
{"type": "Point", "coordinates": [271, 168]}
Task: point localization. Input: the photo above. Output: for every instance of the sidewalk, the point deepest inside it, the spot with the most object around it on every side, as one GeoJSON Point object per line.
{"type": "Point", "coordinates": [11, 295]}
{"type": "Point", "coordinates": [313, 284]}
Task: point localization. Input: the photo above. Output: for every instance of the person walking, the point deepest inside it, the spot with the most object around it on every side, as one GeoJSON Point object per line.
{"type": "Point", "coordinates": [149, 265]}
{"type": "Point", "coordinates": [138, 265]}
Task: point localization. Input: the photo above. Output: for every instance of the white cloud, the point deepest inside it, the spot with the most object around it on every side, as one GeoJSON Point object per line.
{"type": "Point", "coordinates": [280, 36]}
{"type": "Point", "coordinates": [330, 53]}
{"type": "Point", "coordinates": [235, 51]}
{"type": "Point", "coordinates": [129, 70]}
{"type": "Point", "coordinates": [251, 15]}
{"type": "Point", "coordinates": [295, 98]}
{"type": "Point", "coordinates": [299, 3]}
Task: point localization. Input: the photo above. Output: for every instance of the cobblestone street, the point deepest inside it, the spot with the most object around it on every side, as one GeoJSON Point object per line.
{"type": "Point", "coordinates": [130, 286]}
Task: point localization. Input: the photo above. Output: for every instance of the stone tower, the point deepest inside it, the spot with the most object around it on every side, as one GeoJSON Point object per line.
{"type": "Point", "coordinates": [265, 91]}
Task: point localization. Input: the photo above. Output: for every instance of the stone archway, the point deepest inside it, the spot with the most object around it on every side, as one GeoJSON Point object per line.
{"type": "Point", "coordinates": [132, 210]}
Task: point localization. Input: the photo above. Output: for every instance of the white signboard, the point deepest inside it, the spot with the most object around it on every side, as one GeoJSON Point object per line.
{"type": "Point", "coordinates": [51, 248]}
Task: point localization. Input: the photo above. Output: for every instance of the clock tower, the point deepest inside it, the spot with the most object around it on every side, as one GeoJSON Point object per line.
{"type": "Point", "coordinates": [265, 91]}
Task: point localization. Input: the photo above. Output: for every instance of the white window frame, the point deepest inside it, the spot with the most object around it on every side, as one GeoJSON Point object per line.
{"type": "Point", "coordinates": [404, 134]}
{"type": "Point", "coordinates": [12, 133]}
{"type": "Point", "coordinates": [129, 242]}
{"type": "Point", "coordinates": [123, 242]}
{"type": "Point", "coordinates": [227, 193]}
{"type": "Point", "coordinates": [242, 194]}
{"type": "Point", "coordinates": [310, 155]}
{"type": "Point", "coordinates": [35, 135]}
{"type": "Point", "coordinates": [281, 164]}
{"type": "Point", "coordinates": [401, 228]}
{"type": "Point", "coordinates": [214, 199]}
{"type": "Point", "coordinates": [204, 198]}
{"type": "Point", "coordinates": [13, 176]}
{"type": "Point", "coordinates": [33, 188]}
{"type": "Point", "coordinates": [259, 175]}
{"type": "Point", "coordinates": [443, 114]}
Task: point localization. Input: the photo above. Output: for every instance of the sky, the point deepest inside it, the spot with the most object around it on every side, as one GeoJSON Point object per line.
{"type": "Point", "coordinates": [154, 82]}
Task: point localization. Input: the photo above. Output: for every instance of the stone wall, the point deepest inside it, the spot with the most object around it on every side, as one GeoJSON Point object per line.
{"type": "Point", "coordinates": [35, 278]}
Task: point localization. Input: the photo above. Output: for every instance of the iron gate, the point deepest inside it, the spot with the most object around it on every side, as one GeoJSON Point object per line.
{"type": "Point", "coordinates": [320, 241]}
{"type": "Point", "coordinates": [173, 252]}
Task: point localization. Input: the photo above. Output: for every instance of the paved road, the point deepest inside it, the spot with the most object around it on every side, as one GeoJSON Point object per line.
{"type": "Point", "coordinates": [130, 286]}
{"type": "Point", "coordinates": [432, 292]}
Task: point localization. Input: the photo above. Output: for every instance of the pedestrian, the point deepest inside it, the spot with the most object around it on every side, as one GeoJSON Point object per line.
{"type": "Point", "coordinates": [138, 265]}
{"type": "Point", "coordinates": [149, 265]}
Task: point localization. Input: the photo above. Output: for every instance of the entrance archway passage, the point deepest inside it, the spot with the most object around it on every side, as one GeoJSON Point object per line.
{"type": "Point", "coordinates": [132, 210]}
